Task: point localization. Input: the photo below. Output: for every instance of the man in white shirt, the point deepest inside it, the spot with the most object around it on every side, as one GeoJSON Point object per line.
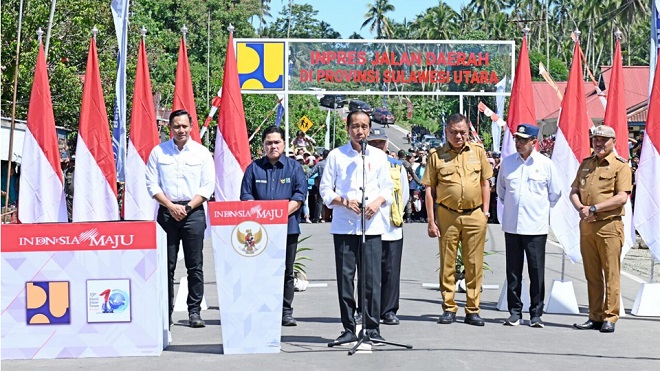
{"type": "Point", "coordinates": [392, 239]}
{"type": "Point", "coordinates": [180, 176]}
{"type": "Point", "coordinates": [341, 190]}
{"type": "Point", "coordinates": [527, 185]}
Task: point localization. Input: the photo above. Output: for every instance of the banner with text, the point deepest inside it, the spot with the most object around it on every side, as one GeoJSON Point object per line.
{"type": "Point", "coordinates": [392, 66]}
{"type": "Point", "coordinates": [249, 248]}
{"type": "Point", "coordinates": [81, 290]}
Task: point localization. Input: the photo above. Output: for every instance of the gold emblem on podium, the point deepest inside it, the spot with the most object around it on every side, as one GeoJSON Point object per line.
{"type": "Point", "coordinates": [249, 239]}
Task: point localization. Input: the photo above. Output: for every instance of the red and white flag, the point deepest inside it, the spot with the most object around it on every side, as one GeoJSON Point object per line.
{"type": "Point", "coordinates": [616, 117]}
{"type": "Point", "coordinates": [232, 149]}
{"type": "Point", "coordinates": [521, 104]}
{"type": "Point", "coordinates": [95, 178]}
{"type": "Point", "coordinates": [138, 205]}
{"type": "Point", "coordinates": [41, 198]}
{"type": "Point", "coordinates": [647, 198]}
{"type": "Point", "coordinates": [571, 147]}
{"type": "Point", "coordinates": [183, 90]}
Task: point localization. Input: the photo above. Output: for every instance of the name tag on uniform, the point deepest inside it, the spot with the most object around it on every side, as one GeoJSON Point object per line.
{"type": "Point", "coordinates": [585, 170]}
{"type": "Point", "coordinates": [261, 181]}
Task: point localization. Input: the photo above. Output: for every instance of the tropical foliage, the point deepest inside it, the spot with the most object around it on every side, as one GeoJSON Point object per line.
{"type": "Point", "coordinates": [551, 23]}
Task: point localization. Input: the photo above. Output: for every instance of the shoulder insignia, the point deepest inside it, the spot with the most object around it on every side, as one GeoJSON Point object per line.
{"type": "Point", "coordinates": [433, 150]}
{"type": "Point", "coordinates": [621, 159]}
{"type": "Point", "coordinates": [479, 144]}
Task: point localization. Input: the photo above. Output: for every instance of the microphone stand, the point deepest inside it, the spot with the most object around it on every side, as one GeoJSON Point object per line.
{"type": "Point", "coordinates": [364, 335]}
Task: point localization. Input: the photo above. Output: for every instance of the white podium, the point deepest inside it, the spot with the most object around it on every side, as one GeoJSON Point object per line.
{"type": "Point", "coordinates": [249, 247]}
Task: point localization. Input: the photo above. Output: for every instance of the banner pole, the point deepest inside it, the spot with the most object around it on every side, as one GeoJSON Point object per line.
{"type": "Point", "coordinates": [563, 265]}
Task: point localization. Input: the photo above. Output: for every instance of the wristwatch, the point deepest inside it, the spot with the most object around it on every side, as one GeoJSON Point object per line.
{"type": "Point", "coordinates": [593, 209]}
{"type": "Point", "coordinates": [188, 209]}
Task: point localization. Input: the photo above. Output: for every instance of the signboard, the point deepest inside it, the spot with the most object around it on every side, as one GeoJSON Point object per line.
{"type": "Point", "coordinates": [84, 290]}
{"type": "Point", "coordinates": [305, 124]}
{"type": "Point", "coordinates": [249, 249]}
{"type": "Point", "coordinates": [383, 66]}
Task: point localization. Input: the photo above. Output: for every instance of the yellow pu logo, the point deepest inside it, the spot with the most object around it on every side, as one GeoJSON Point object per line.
{"type": "Point", "coordinates": [260, 65]}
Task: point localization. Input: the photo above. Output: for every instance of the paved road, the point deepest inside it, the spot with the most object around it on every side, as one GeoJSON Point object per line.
{"type": "Point", "coordinates": [634, 346]}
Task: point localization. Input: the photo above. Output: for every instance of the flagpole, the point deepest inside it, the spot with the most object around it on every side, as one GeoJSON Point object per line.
{"type": "Point", "coordinates": [13, 106]}
{"type": "Point", "coordinates": [50, 25]}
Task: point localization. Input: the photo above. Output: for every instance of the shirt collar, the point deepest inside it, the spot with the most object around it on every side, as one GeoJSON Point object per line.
{"type": "Point", "coordinates": [185, 146]}
{"type": "Point", "coordinates": [279, 163]}
{"type": "Point", "coordinates": [448, 147]}
{"type": "Point", "coordinates": [609, 158]}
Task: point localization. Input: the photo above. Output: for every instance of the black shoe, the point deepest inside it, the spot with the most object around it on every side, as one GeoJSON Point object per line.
{"type": "Point", "coordinates": [474, 319]}
{"type": "Point", "coordinates": [536, 322]}
{"type": "Point", "coordinates": [195, 320]}
{"type": "Point", "coordinates": [345, 337]}
{"type": "Point", "coordinates": [589, 325]}
{"type": "Point", "coordinates": [375, 335]}
{"type": "Point", "coordinates": [288, 320]}
{"type": "Point", "coordinates": [390, 319]}
{"type": "Point", "coordinates": [447, 318]}
{"type": "Point", "coordinates": [607, 327]}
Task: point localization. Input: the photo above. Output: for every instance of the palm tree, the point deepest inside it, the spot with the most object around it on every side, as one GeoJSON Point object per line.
{"type": "Point", "coordinates": [376, 16]}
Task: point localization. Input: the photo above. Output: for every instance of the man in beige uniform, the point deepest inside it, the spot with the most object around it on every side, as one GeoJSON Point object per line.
{"type": "Point", "coordinates": [456, 177]}
{"type": "Point", "coordinates": [599, 192]}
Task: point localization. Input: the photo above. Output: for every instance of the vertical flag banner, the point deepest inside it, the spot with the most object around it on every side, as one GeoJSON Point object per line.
{"type": "Point", "coordinates": [120, 15]}
{"type": "Point", "coordinates": [655, 40]}
{"type": "Point", "coordinates": [183, 90]}
{"type": "Point", "coordinates": [571, 147]}
{"type": "Point", "coordinates": [95, 177]}
{"type": "Point", "coordinates": [521, 104]}
{"type": "Point", "coordinates": [616, 117]}
{"type": "Point", "coordinates": [138, 205]}
{"type": "Point", "coordinates": [280, 114]}
{"type": "Point", "coordinates": [232, 149]}
{"type": "Point", "coordinates": [496, 129]}
{"type": "Point", "coordinates": [41, 198]}
{"type": "Point", "coordinates": [647, 198]}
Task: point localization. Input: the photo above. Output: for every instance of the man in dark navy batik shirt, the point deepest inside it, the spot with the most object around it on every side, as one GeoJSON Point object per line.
{"type": "Point", "coordinates": [277, 177]}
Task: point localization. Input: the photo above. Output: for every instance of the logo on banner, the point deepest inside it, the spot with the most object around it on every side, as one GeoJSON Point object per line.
{"type": "Point", "coordinates": [47, 303]}
{"type": "Point", "coordinates": [108, 300]}
{"type": "Point", "coordinates": [260, 65]}
{"type": "Point", "coordinates": [249, 239]}
{"type": "Point", "coordinates": [90, 237]}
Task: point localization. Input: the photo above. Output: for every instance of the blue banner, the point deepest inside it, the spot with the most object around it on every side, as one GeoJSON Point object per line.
{"type": "Point", "coordinates": [120, 15]}
{"type": "Point", "coordinates": [280, 113]}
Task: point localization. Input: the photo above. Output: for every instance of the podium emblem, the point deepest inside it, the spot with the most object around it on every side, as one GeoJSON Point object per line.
{"type": "Point", "coordinates": [249, 239]}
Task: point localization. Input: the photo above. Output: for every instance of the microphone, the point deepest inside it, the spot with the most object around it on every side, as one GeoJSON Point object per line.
{"type": "Point", "coordinates": [363, 143]}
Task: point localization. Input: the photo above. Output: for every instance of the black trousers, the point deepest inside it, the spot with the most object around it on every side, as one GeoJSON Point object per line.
{"type": "Point", "coordinates": [190, 230]}
{"type": "Point", "coordinates": [390, 281]}
{"type": "Point", "coordinates": [347, 257]}
{"type": "Point", "coordinates": [291, 247]}
{"type": "Point", "coordinates": [533, 246]}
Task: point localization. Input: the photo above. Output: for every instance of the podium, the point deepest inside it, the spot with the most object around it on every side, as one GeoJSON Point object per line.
{"type": "Point", "coordinates": [249, 249]}
{"type": "Point", "coordinates": [76, 290]}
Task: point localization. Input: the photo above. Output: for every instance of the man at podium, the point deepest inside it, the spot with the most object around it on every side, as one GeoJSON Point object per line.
{"type": "Point", "coordinates": [277, 177]}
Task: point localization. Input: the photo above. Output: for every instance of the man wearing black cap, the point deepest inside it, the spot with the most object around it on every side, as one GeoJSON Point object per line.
{"type": "Point", "coordinates": [599, 192]}
{"type": "Point", "coordinates": [527, 186]}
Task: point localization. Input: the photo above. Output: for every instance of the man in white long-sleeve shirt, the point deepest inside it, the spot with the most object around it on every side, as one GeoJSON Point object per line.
{"type": "Point", "coordinates": [392, 239]}
{"type": "Point", "coordinates": [180, 176]}
{"type": "Point", "coordinates": [528, 185]}
{"type": "Point", "coordinates": [340, 189]}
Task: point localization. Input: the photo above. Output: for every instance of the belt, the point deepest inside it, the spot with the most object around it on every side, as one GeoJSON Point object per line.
{"type": "Point", "coordinates": [181, 202]}
{"type": "Point", "coordinates": [464, 211]}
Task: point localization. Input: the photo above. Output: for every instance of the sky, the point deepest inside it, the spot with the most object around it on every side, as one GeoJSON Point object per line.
{"type": "Point", "coordinates": [346, 16]}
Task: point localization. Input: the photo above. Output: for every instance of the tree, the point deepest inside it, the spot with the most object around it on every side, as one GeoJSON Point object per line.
{"type": "Point", "coordinates": [376, 16]}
